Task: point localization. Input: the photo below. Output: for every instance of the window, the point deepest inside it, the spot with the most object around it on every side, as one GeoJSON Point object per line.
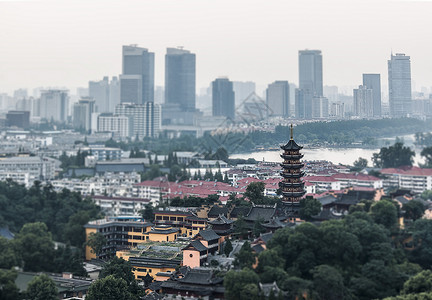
{"type": "Point", "coordinates": [172, 218]}
{"type": "Point", "coordinates": [191, 255]}
{"type": "Point", "coordinates": [149, 271]}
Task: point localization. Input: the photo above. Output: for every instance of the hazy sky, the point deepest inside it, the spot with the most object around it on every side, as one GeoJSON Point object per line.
{"type": "Point", "coordinates": [68, 43]}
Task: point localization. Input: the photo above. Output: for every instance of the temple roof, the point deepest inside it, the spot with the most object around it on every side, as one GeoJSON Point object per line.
{"type": "Point", "coordinates": [291, 145]}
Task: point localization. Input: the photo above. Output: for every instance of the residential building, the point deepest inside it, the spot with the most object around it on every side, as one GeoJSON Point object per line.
{"type": "Point", "coordinates": [37, 168]}
{"type": "Point", "coordinates": [146, 118]}
{"type": "Point", "coordinates": [54, 105]}
{"type": "Point", "coordinates": [137, 79]}
{"type": "Point", "coordinates": [399, 77]}
{"type": "Point", "coordinates": [373, 82]}
{"type": "Point", "coordinates": [363, 102]}
{"type": "Point", "coordinates": [278, 99]}
{"type": "Point", "coordinates": [411, 178]}
{"type": "Point", "coordinates": [82, 113]}
{"type": "Point", "coordinates": [180, 78]}
{"type": "Point", "coordinates": [119, 126]}
{"type": "Point", "coordinates": [223, 98]}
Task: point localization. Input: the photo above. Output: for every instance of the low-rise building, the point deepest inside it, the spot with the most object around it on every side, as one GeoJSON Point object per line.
{"type": "Point", "coordinates": [409, 177]}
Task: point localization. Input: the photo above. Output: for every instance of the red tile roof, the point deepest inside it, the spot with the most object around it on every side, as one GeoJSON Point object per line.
{"type": "Point", "coordinates": [408, 170]}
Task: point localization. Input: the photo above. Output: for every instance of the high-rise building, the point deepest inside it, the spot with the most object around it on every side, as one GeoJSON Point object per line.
{"type": "Point", "coordinates": [99, 91]}
{"type": "Point", "coordinates": [137, 79]}
{"type": "Point", "coordinates": [223, 98]}
{"type": "Point", "coordinates": [373, 82]}
{"type": "Point", "coordinates": [82, 113]}
{"type": "Point", "coordinates": [53, 105]}
{"type": "Point", "coordinates": [19, 119]}
{"type": "Point", "coordinates": [242, 90]}
{"type": "Point", "coordinates": [114, 93]}
{"type": "Point", "coordinates": [146, 118]}
{"type": "Point", "coordinates": [311, 71]}
{"type": "Point", "coordinates": [310, 78]}
{"type": "Point", "coordinates": [363, 102]}
{"type": "Point", "coordinates": [119, 126]}
{"type": "Point", "coordinates": [303, 104]}
{"type": "Point", "coordinates": [399, 76]}
{"type": "Point", "coordinates": [278, 99]}
{"type": "Point", "coordinates": [320, 107]}
{"type": "Point", "coordinates": [180, 78]}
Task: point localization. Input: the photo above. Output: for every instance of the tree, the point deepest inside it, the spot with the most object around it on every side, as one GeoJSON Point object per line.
{"type": "Point", "coordinates": [109, 287]}
{"type": "Point", "coordinates": [255, 192]}
{"type": "Point", "coordinates": [413, 210]}
{"type": "Point", "coordinates": [120, 268]}
{"type": "Point", "coordinates": [147, 213]}
{"type": "Point", "coordinates": [228, 247]}
{"type": "Point", "coordinates": [328, 283]}
{"type": "Point", "coordinates": [35, 245]}
{"type": "Point", "coordinates": [258, 228]}
{"type": "Point", "coordinates": [384, 212]}
{"type": "Point", "coordinates": [241, 227]}
{"type": "Point", "coordinates": [96, 241]}
{"type": "Point", "coordinates": [360, 163]}
{"type": "Point", "coordinates": [422, 242]}
{"type": "Point", "coordinates": [244, 258]}
{"type": "Point", "coordinates": [393, 156]}
{"type": "Point", "coordinates": [427, 154]}
{"type": "Point", "coordinates": [269, 258]}
{"type": "Point", "coordinates": [8, 289]}
{"type": "Point", "coordinates": [309, 207]}
{"type": "Point", "coordinates": [8, 257]}
{"type": "Point", "coordinates": [42, 287]}
{"type": "Point", "coordinates": [74, 231]}
{"type": "Point", "coordinates": [421, 282]}
{"type": "Point", "coordinates": [236, 281]}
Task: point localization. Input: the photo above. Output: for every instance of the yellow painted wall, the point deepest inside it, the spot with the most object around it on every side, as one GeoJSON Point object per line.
{"type": "Point", "coordinates": [152, 271]}
{"type": "Point", "coordinates": [162, 237]}
{"type": "Point", "coordinates": [88, 251]}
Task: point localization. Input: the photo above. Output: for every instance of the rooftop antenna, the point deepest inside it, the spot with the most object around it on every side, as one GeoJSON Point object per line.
{"type": "Point", "coordinates": [291, 129]}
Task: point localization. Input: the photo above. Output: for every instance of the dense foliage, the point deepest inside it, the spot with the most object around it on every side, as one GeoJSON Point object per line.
{"type": "Point", "coordinates": [363, 256]}
{"type": "Point", "coordinates": [394, 156]}
{"type": "Point", "coordinates": [64, 213]}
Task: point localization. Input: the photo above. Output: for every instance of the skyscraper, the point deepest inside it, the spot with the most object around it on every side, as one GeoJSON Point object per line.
{"type": "Point", "coordinates": [373, 82]}
{"type": "Point", "coordinates": [99, 91]}
{"type": "Point", "coordinates": [310, 78]}
{"type": "Point", "coordinates": [137, 79]}
{"type": "Point", "coordinates": [180, 78]}
{"type": "Point", "coordinates": [53, 105]}
{"type": "Point", "coordinates": [399, 76]}
{"type": "Point", "coordinates": [223, 98]}
{"type": "Point", "coordinates": [311, 71]}
{"type": "Point", "coordinates": [82, 113]}
{"type": "Point", "coordinates": [363, 102]}
{"type": "Point", "coordinates": [278, 99]}
{"type": "Point", "coordinates": [242, 90]}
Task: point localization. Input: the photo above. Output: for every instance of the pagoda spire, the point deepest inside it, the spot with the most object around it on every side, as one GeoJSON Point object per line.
{"type": "Point", "coordinates": [292, 185]}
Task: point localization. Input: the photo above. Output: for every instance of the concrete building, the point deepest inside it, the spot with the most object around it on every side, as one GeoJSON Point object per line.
{"type": "Point", "coordinates": [180, 78]}
{"type": "Point", "coordinates": [19, 119]}
{"type": "Point", "coordinates": [54, 105]}
{"type": "Point", "coordinates": [363, 102]}
{"type": "Point", "coordinates": [137, 79]}
{"type": "Point", "coordinates": [242, 90]}
{"type": "Point", "coordinates": [119, 126]}
{"type": "Point", "coordinates": [36, 167]}
{"type": "Point", "coordinates": [146, 118]}
{"type": "Point", "coordinates": [320, 107]}
{"type": "Point", "coordinates": [82, 113]}
{"type": "Point", "coordinates": [278, 99]}
{"type": "Point", "coordinates": [99, 91]}
{"type": "Point", "coordinates": [399, 76]}
{"type": "Point", "coordinates": [410, 178]}
{"type": "Point", "coordinates": [373, 82]}
{"type": "Point", "coordinates": [223, 98]}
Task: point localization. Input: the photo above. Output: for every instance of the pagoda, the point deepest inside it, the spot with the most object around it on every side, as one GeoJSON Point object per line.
{"type": "Point", "coordinates": [292, 185]}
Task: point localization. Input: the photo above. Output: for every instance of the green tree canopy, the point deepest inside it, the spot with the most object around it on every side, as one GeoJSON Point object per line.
{"type": "Point", "coordinates": [385, 213]}
{"type": "Point", "coordinates": [42, 287]}
{"type": "Point", "coordinates": [394, 156]}
{"type": "Point", "coordinates": [109, 287]}
{"type": "Point", "coordinates": [35, 245]}
{"type": "Point", "coordinates": [236, 281]}
{"type": "Point", "coordinates": [8, 289]}
{"type": "Point", "coordinates": [413, 210]}
{"type": "Point", "coordinates": [309, 207]}
{"type": "Point", "coordinates": [244, 258]}
{"type": "Point", "coordinates": [96, 241]}
{"type": "Point", "coordinates": [228, 247]}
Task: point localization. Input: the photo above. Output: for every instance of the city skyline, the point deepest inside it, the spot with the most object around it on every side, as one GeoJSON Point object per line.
{"type": "Point", "coordinates": [58, 57]}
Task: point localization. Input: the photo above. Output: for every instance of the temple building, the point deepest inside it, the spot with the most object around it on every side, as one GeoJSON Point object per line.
{"type": "Point", "coordinates": [292, 185]}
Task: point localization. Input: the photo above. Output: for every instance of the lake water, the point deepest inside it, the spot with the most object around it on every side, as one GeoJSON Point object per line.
{"type": "Point", "coordinates": [346, 156]}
